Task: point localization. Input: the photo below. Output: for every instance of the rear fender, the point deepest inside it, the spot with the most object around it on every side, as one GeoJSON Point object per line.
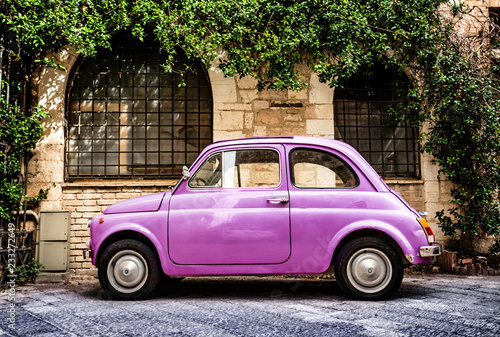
{"type": "Point", "coordinates": [409, 251]}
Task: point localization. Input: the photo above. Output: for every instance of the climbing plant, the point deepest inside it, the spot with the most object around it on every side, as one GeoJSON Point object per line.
{"type": "Point", "coordinates": [19, 133]}
{"type": "Point", "coordinates": [452, 68]}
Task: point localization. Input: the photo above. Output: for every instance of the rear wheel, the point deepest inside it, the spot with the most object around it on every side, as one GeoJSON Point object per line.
{"type": "Point", "coordinates": [368, 268]}
{"type": "Point", "coordinates": [128, 270]}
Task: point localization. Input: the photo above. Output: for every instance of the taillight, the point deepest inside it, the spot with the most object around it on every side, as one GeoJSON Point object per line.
{"type": "Point", "coordinates": [427, 229]}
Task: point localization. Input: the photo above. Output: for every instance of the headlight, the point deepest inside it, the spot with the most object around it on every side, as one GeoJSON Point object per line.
{"type": "Point", "coordinates": [88, 225]}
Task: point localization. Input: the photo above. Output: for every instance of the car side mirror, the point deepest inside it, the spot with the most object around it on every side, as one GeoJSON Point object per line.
{"type": "Point", "coordinates": [185, 173]}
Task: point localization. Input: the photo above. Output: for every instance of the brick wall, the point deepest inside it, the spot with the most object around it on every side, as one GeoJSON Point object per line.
{"type": "Point", "coordinates": [85, 200]}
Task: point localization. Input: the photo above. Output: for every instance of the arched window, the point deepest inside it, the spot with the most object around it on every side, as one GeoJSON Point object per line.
{"type": "Point", "coordinates": [127, 118]}
{"type": "Point", "coordinates": [361, 117]}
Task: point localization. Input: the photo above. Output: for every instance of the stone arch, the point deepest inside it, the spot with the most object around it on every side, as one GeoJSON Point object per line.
{"type": "Point", "coordinates": [127, 117]}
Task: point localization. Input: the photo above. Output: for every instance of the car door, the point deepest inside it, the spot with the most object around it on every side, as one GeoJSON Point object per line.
{"type": "Point", "coordinates": [234, 209]}
{"type": "Point", "coordinates": [326, 193]}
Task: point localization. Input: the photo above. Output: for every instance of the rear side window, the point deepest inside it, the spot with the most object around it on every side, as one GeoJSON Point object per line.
{"type": "Point", "coordinates": [320, 169]}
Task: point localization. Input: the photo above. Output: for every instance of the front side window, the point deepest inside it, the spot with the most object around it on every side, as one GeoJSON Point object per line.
{"type": "Point", "coordinates": [210, 173]}
{"type": "Point", "coordinates": [239, 169]}
{"type": "Point", "coordinates": [319, 169]}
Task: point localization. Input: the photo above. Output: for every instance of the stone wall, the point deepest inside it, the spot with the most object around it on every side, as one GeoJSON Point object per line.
{"type": "Point", "coordinates": [240, 110]}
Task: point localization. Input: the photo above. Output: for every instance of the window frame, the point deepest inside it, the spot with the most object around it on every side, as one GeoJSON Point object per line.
{"type": "Point", "coordinates": [146, 155]}
{"type": "Point", "coordinates": [344, 162]}
{"type": "Point", "coordinates": [360, 119]}
{"type": "Point", "coordinates": [192, 177]}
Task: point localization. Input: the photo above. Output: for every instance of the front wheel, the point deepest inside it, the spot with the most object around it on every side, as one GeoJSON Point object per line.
{"type": "Point", "coordinates": [368, 268]}
{"type": "Point", "coordinates": [128, 270]}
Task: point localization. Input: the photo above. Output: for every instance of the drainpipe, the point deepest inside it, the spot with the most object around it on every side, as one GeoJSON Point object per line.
{"type": "Point", "coordinates": [37, 221]}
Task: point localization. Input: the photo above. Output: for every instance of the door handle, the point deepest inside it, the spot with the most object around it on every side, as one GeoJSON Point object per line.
{"type": "Point", "coordinates": [278, 200]}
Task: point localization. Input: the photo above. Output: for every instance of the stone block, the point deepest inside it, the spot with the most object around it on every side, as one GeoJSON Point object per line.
{"type": "Point", "coordinates": [274, 95]}
{"type": "Point", "coordinates": [293, 117]}
{"type": "Point", "coordinates": [48, 151]}
{"type": "Point", "coordinates": [324, 111]}
{"type": "Point", "coordinates": [429, 171]}
{"type": "Point", "coordinates": [270, 117]}
{"type": "Point", "coordinates": [319, 93]}
{"type": "Point", "coordinates": [260, 131]}
{"type": "Point", "coordinates": [300, 95]}
{"type": "Point", "coordinates": [247, 96]}
{"type": "Point", "coordinates": [320, 128]}
{"type": "Point", "coordinates": [247, 82]}
{"type": "Point", "coordinates": [223, 135]}
{"type": "Point", "coordinates": [46, 205]}
{"type": "Point", "coordinates": [231, 120]}
{"type": "Point", "coordinates": [232, 106]}
{"type": "Point", "coordinates": [223, 88]}
{"type": "Point", "coordinates": [260, 105]}
{"type": "Point", "coordinates": [45, 171]}
{"type": "Point", "coordinates": [249, 120]}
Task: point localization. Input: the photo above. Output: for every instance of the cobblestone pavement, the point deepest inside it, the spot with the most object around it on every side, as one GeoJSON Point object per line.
{"type": "Point", "coordinates": [436, 305]}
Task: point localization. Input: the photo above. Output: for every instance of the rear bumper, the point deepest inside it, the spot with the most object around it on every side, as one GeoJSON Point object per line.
{"type": "Point", "coordinates": [427, 251]}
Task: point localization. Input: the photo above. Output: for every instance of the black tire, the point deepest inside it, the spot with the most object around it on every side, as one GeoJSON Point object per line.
{"type": "Point", "coordinates": [368, 268]}
{"type": "Point", "coordinates": [128, 270]}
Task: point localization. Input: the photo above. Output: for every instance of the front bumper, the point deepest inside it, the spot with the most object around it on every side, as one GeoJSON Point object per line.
{"type": "Point", "coordinates": [87, 254]}
{"type": "Point", "coordinates": [428, 251]}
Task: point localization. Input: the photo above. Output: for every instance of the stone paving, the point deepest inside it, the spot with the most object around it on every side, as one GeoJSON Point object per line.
{"type": "Point", "coordinates": [433, 305]}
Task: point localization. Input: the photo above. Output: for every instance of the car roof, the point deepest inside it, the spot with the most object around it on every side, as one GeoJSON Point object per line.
{"type": "Point", "coordinates": [340, 146]}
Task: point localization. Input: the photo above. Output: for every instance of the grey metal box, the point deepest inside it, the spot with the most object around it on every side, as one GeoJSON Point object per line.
{"type": "Point", "coordinates": [54, 225]}
{"type": "Point", "coordinates": [54, 255]}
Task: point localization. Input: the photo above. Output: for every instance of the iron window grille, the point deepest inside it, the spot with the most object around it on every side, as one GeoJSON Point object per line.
{"type": "Point", "coordinates": [362, 119]}
{"type": "Point", "coordinates": [128, 118]}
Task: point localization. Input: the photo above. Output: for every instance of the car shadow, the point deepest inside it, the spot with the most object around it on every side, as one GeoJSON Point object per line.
{"type": "Point", "coordinates": [254, 287]}
{"type": "Point", "coordinates": [247, 287]}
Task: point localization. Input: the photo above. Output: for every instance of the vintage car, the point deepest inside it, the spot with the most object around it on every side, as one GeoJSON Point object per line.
{"type": "Point", "coordinates": [264, 206]}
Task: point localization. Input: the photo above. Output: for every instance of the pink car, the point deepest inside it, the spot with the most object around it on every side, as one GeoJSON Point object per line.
{"type": "Point", "coordinates": [265, 206]}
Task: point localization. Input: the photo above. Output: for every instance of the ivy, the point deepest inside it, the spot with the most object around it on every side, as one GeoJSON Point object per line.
{"type": "Point", "coordinates": [453, 74]}
{"type": "Point", "coordinates": [19, 134]}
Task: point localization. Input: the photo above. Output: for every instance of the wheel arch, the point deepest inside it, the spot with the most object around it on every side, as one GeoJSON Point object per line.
{"type": "Point", "coordinates": [370, 232]}
{"type": "Point", "coordinates": [127, 234]}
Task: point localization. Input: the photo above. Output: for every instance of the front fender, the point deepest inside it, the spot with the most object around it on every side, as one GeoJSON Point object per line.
{"type": "Point", "coordinates": [146, 224]}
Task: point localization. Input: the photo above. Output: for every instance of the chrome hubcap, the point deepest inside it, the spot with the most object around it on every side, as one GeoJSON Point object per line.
{"type": "Point", "coordinates": [369, 270]}
{"type": "Point", "coordinates": [127, 271]}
